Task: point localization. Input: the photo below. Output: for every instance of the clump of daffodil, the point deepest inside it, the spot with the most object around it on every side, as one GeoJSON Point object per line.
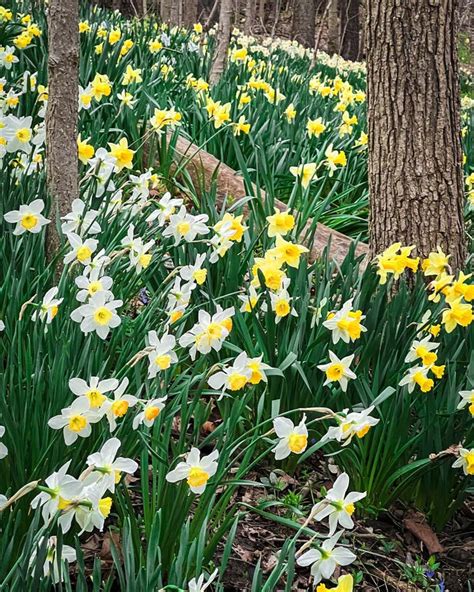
{"type": "Point", "coordinates": [394, 260]}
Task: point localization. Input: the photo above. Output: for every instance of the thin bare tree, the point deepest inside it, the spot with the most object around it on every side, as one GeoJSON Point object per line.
{"type": "Point", "coordinates": [223, 40]}
{"type": "Point", "coordinates": [62, 113]}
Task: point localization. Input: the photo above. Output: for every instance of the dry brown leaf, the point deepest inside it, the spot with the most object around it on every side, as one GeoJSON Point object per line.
{"type": "Point", "coordinates": [417, 525]}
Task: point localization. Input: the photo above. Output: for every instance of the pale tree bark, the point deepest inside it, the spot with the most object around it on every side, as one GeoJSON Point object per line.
{"type": "Point", "coordinates": [261, 12]}
{"type": "Point", "coordinates": [350, 29]}
{"type": "Point", "coordinates": [304, 16]}
{"type": "Point", "coordinates": [61, 113]}
{"type": "Point", "coordinates": [190, 12]}
{"type": "Point", "coordinates": [415, 156]}
{"type": "Point", "coordinates": [249, 16]}
{"type": "Point", "coordinates": [176, 12]}
{"type": "Point", "coordinates": [333, 27]}
{"type": "Point", "coordinates": [165, 12]}
{"type": "Point", "coordinates": [223, 40]}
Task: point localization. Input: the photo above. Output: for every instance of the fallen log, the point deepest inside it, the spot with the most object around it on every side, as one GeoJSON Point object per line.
{"type": "Point", "coordinates": [205, 168]}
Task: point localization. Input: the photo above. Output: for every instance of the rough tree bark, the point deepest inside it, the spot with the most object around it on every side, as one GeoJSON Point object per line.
{"type": "Point", "coordinates": [249, 16]}
{"type": "Point", "coordinates": [333, 27]}
{"type": "Point", "coordinates": [350, 29]}
{"type": "Point", "coordinates": [190, 12]}
{"type": "Point", "coordinates": [304, 16]}
{"type": "Point", "coordinates": [61, 113]}
{"type": "Point", "coordinates": [223, 39]}
{"type": "Point", "coordinates": [415, 156]}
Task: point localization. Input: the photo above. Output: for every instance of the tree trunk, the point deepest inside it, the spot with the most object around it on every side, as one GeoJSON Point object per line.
{"type": "Point", "coordinates": [61, 113]}
{"type": "Point", "coordinates": [249, 16]}
{"type": "Point", "coordinates": [350, 29]}
{"type": "Point", "coordinates": [190, 12]}
{"type": "Point", "coordinates": [333, 27]}
{"type": "Point", "coordinates": [261, 12]}
{"type": "Point", "coordinates": [304, 16]}
{"type": "Point", "coordinates": [415, 156]}
{"type": "Point", "coordinates": [165, 12]}
{"type": "Point", "coordinates": [223, 39]}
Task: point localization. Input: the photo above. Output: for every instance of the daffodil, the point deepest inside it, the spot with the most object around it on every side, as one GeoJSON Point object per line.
{"type": "Point", "coordinates": [82, 250]}
{"type": "Point", "coordinates": [292, 438]}
{"type": "Point", "coordinates": [458, 313]}
{"type": "Point", "coordinates": [161, 356]}
{"type": "Point", "coordinates": [117, 407]}
{"type": "Point", "coordinates": [151, 411]}
{"type": "Point", "coordinates": [3, 448]}
{"type": "Point", "coordinates": [338, 370]}
{"type": "Point", "coordinates": [122, 154]}
{"type": "Point", "coordinates": [280, 223]}
{"type": "Point", "coordinates": [94, 391]}
{"type": "Point", "coordinates": [208, 333]}
{"type": "Point", "coordinates": [195, 272]}
{"type": "Point", "coordinates": [436, 263]}
{"type": "Point", "coordinates": [49, 307]}
{"type": "Point", "coordinates": [325, 559]}
{"type": "Point", "coordinates": [315, 127]}
{"type": "Point", "coordinates": [59, 485]}
{"type": "Point", "coordinates": [98, 315]}
{"type": "Point", "coordinates": [80, 220]}
{"type": "Point", "coordinates": [467, 398]}
{"type": "Point", "coordinates": [338, 505]}
{"type": "Point", "coordinates": [465, 461]}
{"type": "Point", "coordinates": [345, 324]}
{"type": "Point", "coordinates": [304, 172]}
{"type": "Point", "coordinates": [106, 468]}
{"type": "Point", "coordinates": [28, 218]}
{"type": "Point", "coordinates": [355, 423]}
{"type": "Point", "coordinates": [185, 226]}
{"type": "Point", "coordinates": [75, 421]}
{"type": "Point", "coordinates": [196, 470]}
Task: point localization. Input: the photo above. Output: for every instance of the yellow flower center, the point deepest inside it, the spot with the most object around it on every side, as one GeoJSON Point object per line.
{"type": "Point", "coordinates": [282, 308]}
{"type": "Point", "coordinates": [297, 443]}
{"type": "Point", "coordinates": [151, 413]}
{"type": "Point", "coordinates": [183, 228]}
{"type": "Point", "coordinates": [200, 276]}
{"type": "Point", "coordinates": [145, 260]}
{"type": "Point", "coordinates": [119, 408]}
{"type": "Point", "coordinates": [105, 505]}
{"type": "Point", "coordinates": [470, 463]}
{"type": "Point", "coordinates": [197, 477]}
{"type": "Point", "coordinates": [102, 315]}
{"type": "Point", "coordinates": [237, 381]}
{"type": "Point", "coordinates": [29, 221]}
{"type": "Point", "coordinates": [63, 504]}
{"type": "Point", "coordinates": [96, 398]}
{"type": "Point", "coordinates": [164, 361]}
{"type": "Point", "coordinates": [214, 331]}
{"type": "Point", "coordinates": [335, 371]}
{"type": "Point", "coordinates": [23, 134]}
{"type": "Point", "coordinates": [362, 432]}
{"type": "Point", "coordinates": [349, 508]}
{"type": "Point", "coordinates": [77, 423]}
{"type": "Point", "coordinates": [94, 287]}
{"type": "Point", "coordinates": [83, 253]}
{"type": "Point", "coordinates": [425, 384]}
{"type": "Point", "coordinates": [176, 315]}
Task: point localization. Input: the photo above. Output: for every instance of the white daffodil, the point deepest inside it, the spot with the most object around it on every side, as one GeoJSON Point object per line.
{"type": "Point", "coordinates": [199, 585]}
{"type": "Point", "coordinates": [292, 438]}
{"type": "Point", "coordinates": [356, 423]}
{"type": "Point", "coordinates": [98, 315]}
{"type": "Point", "coordinates": [93, 391]}
{"type": "Point", "coordinates": [162, 355]}
{"type": "Point", "coordinates": [60, 485]}
{"type": "Point", "coordinates": [324, 561]}
{"type": "Point", "coordinates": [49, 307]}
{"type": "Point", "coordinates": [196, 470]}
{"type": "Point", "coordinates": [184, 226]}
{"type": "Point", "coordinates": [281, 303]}
{"type": "Point", "coordinates": [139, 257]}
{"type": "Point", "coordinates": [257, 369]}
{"type": "Point", "coordinates": [232, 378]}
{"type": "Point", "coordinates": [3, 448]}
{"type": "Point", "coordinates": [82, 250]}
{"type": "Point", "coordinates": [119, 405]}
{"type": "Point", "coordinates": [91, 283]}
{"type": "Point", "coordinates": [422, 349]}
{"type": "Point", "coordinates": [180, 294]}
{"type": "Point", "coordinates": [208, 333]}
{"type": "Point", "coordinates": [18, 133]}
{"type": "Point", "coordinates": [166, 208]}
{"type": "Point", "coordinates": [80, 220]}
{"type": "Point", "coordinates": [75, 421]}
{"type": "Point", "coordinates": [99, 261]}
{"type": "Point", "coordinates": [52, 565]}
{"type": "Point", "coordinates": [467, 398]}
{"type": "Point", "coordinates": [28, 218]}
{"type": "Point", "coordinates": [345, 324]}
{"type": "Point", "coordinates": [196, 272]}
{"type": "Point", "coordinates": [465, 461]}
{"type": "Point", "coordinates": [337, 505]}
{"type": "Point", "coordinates": [107, 468]}
{"type": "Point", "coordinates": [8, 57]}
{"type": "Point", "coordinates": [338, 370]}
{"type": "Point", "coordinates": [150, 412]}
{"type": "Point", "coordinates": [90, 509]}
{"type": "Point", "coordinates": [249, 300]}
